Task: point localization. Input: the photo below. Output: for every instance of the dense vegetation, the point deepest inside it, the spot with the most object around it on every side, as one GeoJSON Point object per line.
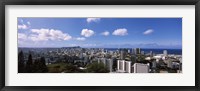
{"type": "Point", "coordinates": [39, 66]}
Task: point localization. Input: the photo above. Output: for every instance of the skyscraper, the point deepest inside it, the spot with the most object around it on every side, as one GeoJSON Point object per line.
{"type": "Point", "coordinates": [151, 54]}
{"type": "Point", "coordinates": [128, 66]}
{"type": "Point", "coordinates": [165, 52]}
{"type": "Point", "coordinates": [120, 65]}
{"type": "Point", "coordinates": [124, 66]}
{"type": "Point", "coordinates": [109, 64]}
{"type": "Point", "coordinates": [122, 54]}
{"type": "Point", "coordinates": [133, 51]}
{"type": "Point", "coordinates": [137, 51]}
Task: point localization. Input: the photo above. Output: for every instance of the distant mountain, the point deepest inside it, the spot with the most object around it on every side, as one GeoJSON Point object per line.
{"type": "Point", "coordinates": [71, 47]}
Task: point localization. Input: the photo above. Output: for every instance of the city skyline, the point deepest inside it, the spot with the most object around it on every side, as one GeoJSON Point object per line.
{"type": "Point", "coordinates": [100, 32]}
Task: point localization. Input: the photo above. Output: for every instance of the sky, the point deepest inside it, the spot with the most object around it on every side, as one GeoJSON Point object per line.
{"type": "Point", "coordinates": [100, 32]}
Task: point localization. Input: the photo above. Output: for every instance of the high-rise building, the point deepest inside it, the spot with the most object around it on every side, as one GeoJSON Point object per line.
{"type": "Point", "coordinates": [165, 52]}
{"type": "Point", "coordinates": [129, 51]}
{"type": "Point", "coordinates": [151, 54]}
{"type": "Point", "coordinates": [122, 54]}
{"type": "Point", "coordinates": [109, 64]}
{"type": "Point", "coordinates": [137, 51]}
{"type": "Point", "coordinates": [128, 66]}
{"type": "Point", "coordinates": [121, 65]}
{"type": "Point", "coordinates": [124, 66]}
{"type": "Point", "coordinates": [133, 51]}
{"type": "Point", "coordinates": [141, 68]}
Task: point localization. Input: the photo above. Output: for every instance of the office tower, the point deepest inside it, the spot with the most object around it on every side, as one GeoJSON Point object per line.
{"type": "Point", "coordinates": [124, 66]}
{"type": "Point", "coordinates": [133, 51]}
{"type": "Point", "coordinates": [151, 54]}
{"type": "Point", "coordinates": [120, 65]}
{"type": "Point", "coordinates": [122, 54]}
{"type": "Point", "coordinates": [141, 68]}
{"type": "Point", "coordinates": [137, 51]}
{"type": "Point", "coordinates": [128, 66]}
{"type": "Point", "coordinates": [129, 51]}
{"type": "Point", "coordinates": [109, 64]}
{"type": "Point", "coordinates": [165, 52]}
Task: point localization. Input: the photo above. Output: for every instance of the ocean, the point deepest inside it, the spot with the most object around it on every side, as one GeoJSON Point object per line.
{"type": "Point", "coordinates": [156, 51]}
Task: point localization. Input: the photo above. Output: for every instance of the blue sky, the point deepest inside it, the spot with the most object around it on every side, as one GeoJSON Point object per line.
{"type": "Point", "coordinates": [100, 32]}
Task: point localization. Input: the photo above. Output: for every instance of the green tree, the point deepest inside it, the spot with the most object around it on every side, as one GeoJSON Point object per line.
{"type": "Point", "coordinates": [69, 68]}
{"type": "Point", "coordinates": [36, 66]}
{"type": "Point", "coordinates": [29, 64]}
{"type": "Point", "coordinates": [97, 68]}
{"type": "Point", "coordinates": [21, 62]}
{"type": "Point", "coordinates": [43, 66]}
{"type": "Point", "coordinates": [40, 66]}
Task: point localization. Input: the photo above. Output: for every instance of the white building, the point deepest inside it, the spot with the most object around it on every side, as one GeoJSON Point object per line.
{"type": "Point", "coordinates": [141, 68]}
{"type": "Point", "coordinates": [128, 66]}
{"type": "Point", "coordinates": [124, 66]}
{"type": "Point", "coordinates": [121, 65]}
{"type": "Point", "coordinates": [165, 52]}
{"type": "Point", "coordinates": [151, 54]}
{"type": "Point", "coordinates": [129, 51]}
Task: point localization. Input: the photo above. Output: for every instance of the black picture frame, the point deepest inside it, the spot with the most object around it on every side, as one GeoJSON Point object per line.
{"type": "Point", "coordinates": [3, 3]}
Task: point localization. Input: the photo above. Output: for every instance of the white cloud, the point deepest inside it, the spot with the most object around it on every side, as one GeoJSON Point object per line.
{"type": "Point", "coordinates": [22, 21]}
{"type": "Point", "coordinates": [23, 26]}
{"type": "Point", "coordinates": [28, 23]}
{"type": "Point", "coordinates": [106, 33]}
{"type": "Point", "coordinates": [120, 32]}
{"type": "Point", "coordinates": [48, 34]}
{"type": "Point", "coordinates": [87, 32]}
{"type": "Point", "coordinates": [81, 38]}
{"type": "Point", "coordinates": [93, 19]}
{"type": "Point", "coordinates": [149, 31]}
{"type": "Point", "coordinates": [22, 36]}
